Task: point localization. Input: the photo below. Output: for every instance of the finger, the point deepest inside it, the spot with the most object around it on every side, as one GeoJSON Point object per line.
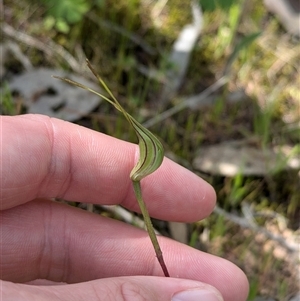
{"type": "Point", "coordinates": [122, 288]}
{"type": "Point", "coordinates": [46, 157]}
{"type": "Point", "coordinates": [48, 240]}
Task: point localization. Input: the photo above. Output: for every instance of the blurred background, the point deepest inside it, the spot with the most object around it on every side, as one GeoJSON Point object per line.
{"type": "Point", "coordinates": [217, 81]}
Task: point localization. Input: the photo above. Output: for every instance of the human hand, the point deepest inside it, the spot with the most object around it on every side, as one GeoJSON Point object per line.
{"type": "Point", "coordinates": [99, 258]}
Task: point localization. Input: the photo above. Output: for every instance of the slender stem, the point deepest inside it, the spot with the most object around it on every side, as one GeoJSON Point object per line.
{"type": "Point", "coordinates": [149, 226]}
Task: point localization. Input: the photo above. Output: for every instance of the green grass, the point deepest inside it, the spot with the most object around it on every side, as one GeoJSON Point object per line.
{"type": "Point", "coordinates": [7, 104]}
{"type": "Point", "coordinates": [267, 116]}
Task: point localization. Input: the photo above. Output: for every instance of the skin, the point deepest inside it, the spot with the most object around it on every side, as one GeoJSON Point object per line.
{"type": "Point", "coordinates": [91, 257]}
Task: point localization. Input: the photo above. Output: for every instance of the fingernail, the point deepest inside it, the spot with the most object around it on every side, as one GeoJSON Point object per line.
{"type": "Point", "coordinates": [197, 295]}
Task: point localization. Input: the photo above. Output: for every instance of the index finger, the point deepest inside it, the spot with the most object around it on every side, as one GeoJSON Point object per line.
{"type": "Point", "coordinates": [46, 157]}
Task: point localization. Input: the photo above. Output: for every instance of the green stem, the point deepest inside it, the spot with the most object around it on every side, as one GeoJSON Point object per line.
{"type": "Point", "coordinates": [149, 226]}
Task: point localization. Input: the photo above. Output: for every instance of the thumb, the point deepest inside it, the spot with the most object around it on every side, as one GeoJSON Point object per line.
{"type": "Point", "coordinates": [136, 288]}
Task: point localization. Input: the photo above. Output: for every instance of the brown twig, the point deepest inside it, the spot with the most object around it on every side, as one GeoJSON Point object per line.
{"type": "Point", "coordinates": [51, 48]}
